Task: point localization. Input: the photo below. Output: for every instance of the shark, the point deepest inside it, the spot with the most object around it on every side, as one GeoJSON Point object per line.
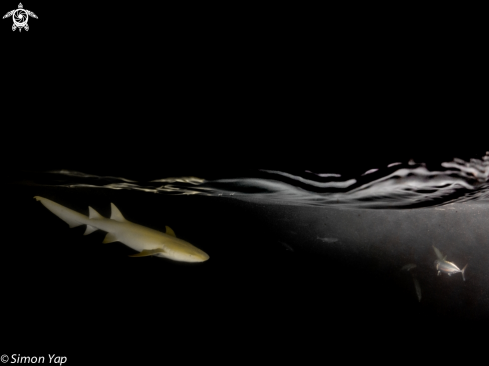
{"type": "Point", "coordinates": [146, 241]}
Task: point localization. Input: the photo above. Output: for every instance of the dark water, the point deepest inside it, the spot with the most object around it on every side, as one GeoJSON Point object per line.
{"type": "Point", "coordinates": [290, 252]}
{"type": "Point", "coordinates": [256, 143]}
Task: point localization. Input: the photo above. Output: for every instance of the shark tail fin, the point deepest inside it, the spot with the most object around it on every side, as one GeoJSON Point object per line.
{"type": "Point", "coordinates": [463, 271]}
{"type": "Point", "coordinates": [72, 218]}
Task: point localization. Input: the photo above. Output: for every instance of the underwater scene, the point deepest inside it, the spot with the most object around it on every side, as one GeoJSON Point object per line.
{"type": "Point", "coordinates": [188, 183]}
{"type": "Point", "coordinates": [272, 252]}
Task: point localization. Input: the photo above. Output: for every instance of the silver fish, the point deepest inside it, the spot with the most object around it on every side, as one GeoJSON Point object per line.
{"type": "Point", "coordinates": [447, 267]}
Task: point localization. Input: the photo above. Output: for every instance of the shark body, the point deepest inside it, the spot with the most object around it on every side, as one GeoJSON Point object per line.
{"type": "Point", "coordinates": [146, 241]}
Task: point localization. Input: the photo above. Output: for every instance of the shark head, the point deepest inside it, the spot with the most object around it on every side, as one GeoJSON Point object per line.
{"type": "Point", "coordinates": [184, 253]}
{"type": "Point", "coordinates": [197, 257]}
{"type": "Point", "coordinates": [186, 257]}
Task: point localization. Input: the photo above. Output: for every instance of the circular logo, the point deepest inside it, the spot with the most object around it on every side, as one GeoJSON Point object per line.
{"type": "Point", "coordinates": [20, 17]}
{"type": "Point", "coordinates": [4, 358]}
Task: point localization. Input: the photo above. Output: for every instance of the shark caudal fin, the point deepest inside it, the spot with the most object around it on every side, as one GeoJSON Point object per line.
{"type": "Point", "coordinates": [72, 218]}
{"type": "Point", "coordinates": [463, 270]}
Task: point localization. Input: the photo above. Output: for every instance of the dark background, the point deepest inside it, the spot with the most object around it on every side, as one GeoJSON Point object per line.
{"type": "Point", "coordinates": [135, 89]}
{"type": "Point", "coordinates": [146, 92]}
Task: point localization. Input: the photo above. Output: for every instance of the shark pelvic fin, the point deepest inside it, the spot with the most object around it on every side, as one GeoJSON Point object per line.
{"type": "Point", "coordinates": [116, 214]}
{"type": "Point", "coordinates": [110, 238]}
{"type": "Point", "coordinates": [89, 230]}
{"type": "Point", "coordinates": [169, 231]}
{"type": "Point", "coordinates": [92, 214]}
{"type": "Point", "coordinates": [146, 252]}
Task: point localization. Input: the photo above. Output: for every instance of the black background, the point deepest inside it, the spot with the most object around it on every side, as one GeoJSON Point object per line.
{"type": "Point", "coordinates": [144, 91]}
{"type": "Point", "coordinates": [136, 88]}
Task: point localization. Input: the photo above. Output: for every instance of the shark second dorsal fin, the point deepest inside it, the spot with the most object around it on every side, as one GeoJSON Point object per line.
{"type": "Point", "coordinates": [146, 252]}
{"type": "Point", "coordinates": [116, 214]}
{"type": "Point", "coordinates": [109, 238]}
{"type": "Point", "coordinates": [169, 231]}
{"type": "Point", "coordinates": [92, 214]}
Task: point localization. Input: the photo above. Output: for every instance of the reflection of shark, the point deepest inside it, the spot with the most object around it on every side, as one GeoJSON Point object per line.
{"type": "Point", "coordinates": [145, 240]}
{"type": "Point", "coordinates": [328, 240]}
{"type": "Point", "coordinates": [287, 246]}
{"type": "Point", "coordinates": [408, 266]}
{"type": "Point", "coordinates": [418, 288]}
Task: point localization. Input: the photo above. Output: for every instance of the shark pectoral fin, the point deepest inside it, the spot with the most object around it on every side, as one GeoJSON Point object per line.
{"type": "Point", "coordinates": [146, 252]}
{"type": "Point", "coordinates": [89, 230]}
{"type": "Point", "coordinates": [169, 231]}
{"type": "Point", "coordinates": [109, 238]}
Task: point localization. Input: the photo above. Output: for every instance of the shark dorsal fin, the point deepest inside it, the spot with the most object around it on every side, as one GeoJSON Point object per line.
{"type": "Point", "coordinates": [92, 214]}
{"type": "Point", "coordinates": [169, 231]}
{"type": "Point", "coordinates": [116, 214]}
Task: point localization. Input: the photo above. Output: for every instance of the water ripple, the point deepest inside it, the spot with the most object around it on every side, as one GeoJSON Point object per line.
{"type": "Point", "coordinates": [398, 185]}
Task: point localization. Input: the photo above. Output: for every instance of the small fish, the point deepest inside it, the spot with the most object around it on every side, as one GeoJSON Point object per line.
{"type": "Point", "coordinates": [447, 267]}
{"type": "Point", "coordinates": [408, 266]}
{"type": "Point", "coordinates": [328, 240]}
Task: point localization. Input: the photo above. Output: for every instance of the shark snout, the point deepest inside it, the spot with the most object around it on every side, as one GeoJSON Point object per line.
{"type": "Point", "coordinates": [189, 253]}
{"type": "Point", "coordinates": [200, 257]}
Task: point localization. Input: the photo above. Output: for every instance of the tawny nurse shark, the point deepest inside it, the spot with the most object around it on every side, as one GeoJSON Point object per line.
{"type": "Point", "coordinates": [140, 238]}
